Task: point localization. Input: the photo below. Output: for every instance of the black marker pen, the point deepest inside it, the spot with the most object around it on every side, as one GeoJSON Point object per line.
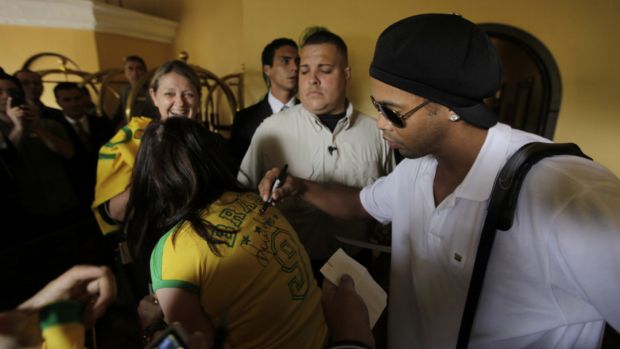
{"type": "Point", "coordinates": [276, 184]}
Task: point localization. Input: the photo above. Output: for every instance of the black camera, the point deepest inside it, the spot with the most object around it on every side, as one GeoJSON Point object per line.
{"type": "Point", "coordinates": [17, 98]}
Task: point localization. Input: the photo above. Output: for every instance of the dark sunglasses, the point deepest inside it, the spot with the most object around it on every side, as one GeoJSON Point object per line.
{"type": "Point", "coordinates": [396, 119]}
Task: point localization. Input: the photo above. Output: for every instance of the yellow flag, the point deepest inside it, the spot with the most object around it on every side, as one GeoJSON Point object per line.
{"type": "Point", "coordinates": [114, 167]}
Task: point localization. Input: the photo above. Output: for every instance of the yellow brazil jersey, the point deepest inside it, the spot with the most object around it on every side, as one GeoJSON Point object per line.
{"type": "Point", "coordinates": [115, 165]}
{"type": "Point", "coordinates": [262, 282]}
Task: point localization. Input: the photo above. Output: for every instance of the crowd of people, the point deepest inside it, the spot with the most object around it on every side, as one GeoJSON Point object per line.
{"type": "Point", "coordinates": [186, 204]}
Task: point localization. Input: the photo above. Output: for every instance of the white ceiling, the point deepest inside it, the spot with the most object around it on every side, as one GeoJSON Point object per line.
{"type": "Point", "coordinates": [168, 9]}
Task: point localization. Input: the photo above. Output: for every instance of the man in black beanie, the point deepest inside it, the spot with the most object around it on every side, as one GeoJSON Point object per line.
{"type": "Point", "coordinates": [552, 279]}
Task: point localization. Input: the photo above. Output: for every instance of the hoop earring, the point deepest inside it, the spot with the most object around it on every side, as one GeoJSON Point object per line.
{"type": "Point", "coordinates": [454, 118]}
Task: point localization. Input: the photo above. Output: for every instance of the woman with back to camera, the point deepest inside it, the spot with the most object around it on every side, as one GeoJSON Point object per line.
{"type": "Point", "coordinates": [175, 91]}
{"type": "Point", "coordinates": [215, 261]}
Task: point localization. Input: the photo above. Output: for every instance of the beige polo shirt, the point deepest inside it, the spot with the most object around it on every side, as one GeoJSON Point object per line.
{"type": "Point", "coordinates": [296, 137]}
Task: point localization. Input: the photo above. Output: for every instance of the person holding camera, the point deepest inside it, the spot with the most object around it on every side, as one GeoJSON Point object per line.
{"type": "Point", "coordinates": [32, 83]}
{"type": "Point", "coordinates": [41, 146]}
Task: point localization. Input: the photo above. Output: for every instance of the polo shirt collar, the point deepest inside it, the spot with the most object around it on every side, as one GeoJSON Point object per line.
{"type": "Point", "coordinates": [349, 117]}
{"type": "Point", "coordinates": [479, 181]}
{"type": "Point", "coordinates": [348, 120]}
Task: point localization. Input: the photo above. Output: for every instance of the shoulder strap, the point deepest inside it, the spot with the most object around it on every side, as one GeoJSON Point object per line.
{"type": "Point", "coordinates": [500, 215]}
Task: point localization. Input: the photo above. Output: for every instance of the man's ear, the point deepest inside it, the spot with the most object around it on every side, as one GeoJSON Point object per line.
{"type": "Point", "coordinates": [347, 73]}
{"type": "Point", "coordinates": [266, 76]}
{"type": "Point", "coordinates": [266, 70]}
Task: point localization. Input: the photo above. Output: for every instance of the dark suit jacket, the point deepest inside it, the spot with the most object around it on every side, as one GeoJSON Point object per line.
{"type": "Point", "coordinates": [82, 168]}
{"type": "Point", "coordinates": [143, 106]}
{"type": "Point", "coordinates": [10, 212]}
{"type": "Point", "coordinates": [245, 124]}
{"type": "Point", "coordinates": [50, 113]}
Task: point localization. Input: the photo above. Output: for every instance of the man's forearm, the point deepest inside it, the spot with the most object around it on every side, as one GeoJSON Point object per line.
{"type": "Point", "coordinates": [336, 200]}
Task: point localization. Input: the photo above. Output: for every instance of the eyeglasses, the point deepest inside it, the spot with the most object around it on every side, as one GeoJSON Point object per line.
{"type": "Point", "coordinates": [395, 118]}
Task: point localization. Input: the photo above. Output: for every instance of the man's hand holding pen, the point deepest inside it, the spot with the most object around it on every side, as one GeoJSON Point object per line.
{"type": "Point", "coordinates": [288, 186]}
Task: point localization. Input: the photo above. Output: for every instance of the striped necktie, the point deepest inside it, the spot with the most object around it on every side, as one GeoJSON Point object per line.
{"type": "Point", "coordinates": [84, 137]}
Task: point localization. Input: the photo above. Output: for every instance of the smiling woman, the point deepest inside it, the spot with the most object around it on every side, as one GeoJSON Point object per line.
{"type": "Point", "coordinates": [175, 90]}
{"type": "Point", "coordinates": [175, 97]}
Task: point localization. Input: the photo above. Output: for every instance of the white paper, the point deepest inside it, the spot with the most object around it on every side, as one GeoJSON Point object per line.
{"type": "Point", "coordinates": [373, 295]}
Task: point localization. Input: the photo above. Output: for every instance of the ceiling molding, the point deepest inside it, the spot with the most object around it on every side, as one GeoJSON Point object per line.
{"type": "Point", "coordinates": [87, 15]}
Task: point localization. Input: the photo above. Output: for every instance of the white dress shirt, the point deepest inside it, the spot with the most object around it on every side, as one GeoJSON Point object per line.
{"type": "Point", "coordinates": [276, 105]}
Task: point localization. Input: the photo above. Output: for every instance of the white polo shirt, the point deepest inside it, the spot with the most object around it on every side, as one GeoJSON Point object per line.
{"type": "Point", "coordinates": [552, 278]}
{"type": "Point", "coordinates": [358, 157]}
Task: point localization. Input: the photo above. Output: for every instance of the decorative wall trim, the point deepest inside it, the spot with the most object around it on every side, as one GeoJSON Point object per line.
{"type": "Point", "coordinates": [86, 15]}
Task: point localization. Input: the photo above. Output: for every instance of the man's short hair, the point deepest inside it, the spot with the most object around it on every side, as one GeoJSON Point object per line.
{"type": "Point", "coordinates": [134, 58]}
{"type": "Point", "coordinates": [13, 79]}
{"type": "Point", "coordinates": [65, 86]}
{"type": "Point", "coordinates": [326, 37]}
{"type": "Point", "coordinates": [85, 91]}
{"type": "Point", "coordinates": [270, 51]}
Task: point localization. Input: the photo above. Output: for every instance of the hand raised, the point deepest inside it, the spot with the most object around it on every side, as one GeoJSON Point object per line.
{"type": "Point", "coordinates": [15, 113]}
{"type": "Point", "coordinates": [290, 187]}
{"type": "Point", "coordinates": [31, 116]}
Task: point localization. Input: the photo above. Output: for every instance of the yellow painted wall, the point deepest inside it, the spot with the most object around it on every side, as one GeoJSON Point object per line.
{"type": "Point", "coordinates": [91, 51]}
{"type": "Point", "coordinates": [211, 32]}
{"type": "Point", "coordinates": [112, 48]}
{"type": "Point", "coordinates": [19, 43]}
{"type": "Point", "coordinates": [581, 35]}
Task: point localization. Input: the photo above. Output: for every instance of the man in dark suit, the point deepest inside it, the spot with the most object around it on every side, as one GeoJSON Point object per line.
{"type": "Point", "coordinates": [33, 89]}
{"type": "Point", "coordinates": [280, 67]}
{"type": "Point", "coordinates": [134, 69]}
{"type": "Point", "coordinates": [87, 133]}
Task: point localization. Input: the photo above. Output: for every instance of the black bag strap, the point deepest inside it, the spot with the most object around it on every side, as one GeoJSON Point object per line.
{"type": "Point", "coordinates": [500, 215]}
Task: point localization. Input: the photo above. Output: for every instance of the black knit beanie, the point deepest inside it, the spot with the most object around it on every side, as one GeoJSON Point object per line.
{"type": "Point", "coordinates": [444, 58]}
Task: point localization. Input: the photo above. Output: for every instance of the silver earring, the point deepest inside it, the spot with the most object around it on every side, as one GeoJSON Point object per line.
{"type": "Point", "coordinates": [454, 117]}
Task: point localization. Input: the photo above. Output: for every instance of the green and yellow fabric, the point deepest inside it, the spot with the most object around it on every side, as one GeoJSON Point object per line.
{"type": "Point", "coordinates": [116, 161]}
{"type": "Point", "coordinates": [61, 325]}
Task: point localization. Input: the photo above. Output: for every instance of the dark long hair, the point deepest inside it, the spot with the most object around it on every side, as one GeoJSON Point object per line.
{"type": "Point", "coordinates": [181, 169]}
